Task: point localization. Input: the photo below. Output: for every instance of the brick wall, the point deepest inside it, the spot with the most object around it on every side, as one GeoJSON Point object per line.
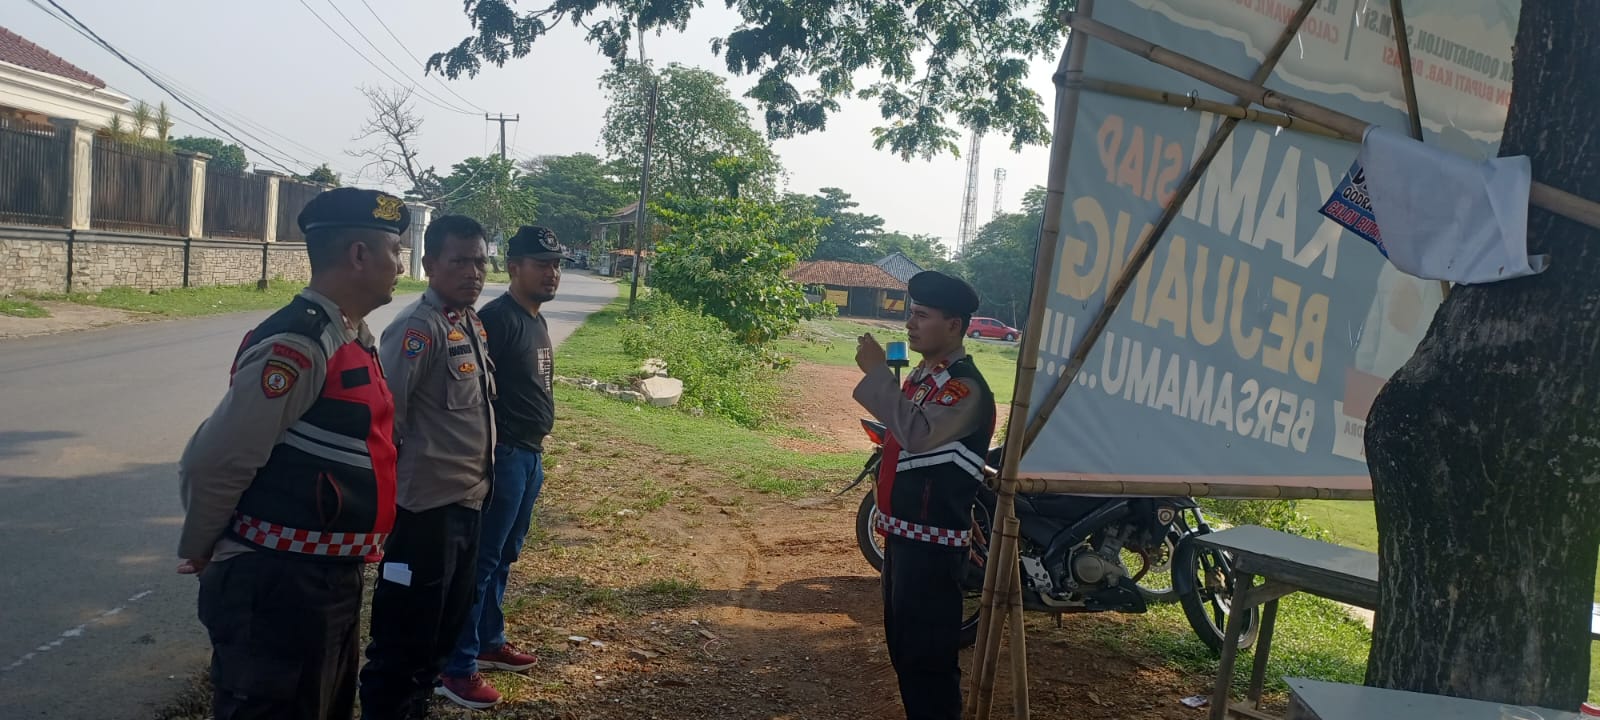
{"type": "Point", "coordinates": [101, 260]}
{"type": "Point", "coordinates": [35, 260]}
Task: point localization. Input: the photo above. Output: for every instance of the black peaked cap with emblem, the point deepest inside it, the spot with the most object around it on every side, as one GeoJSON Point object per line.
{"type": "Point", "coordinates": [355, 208]}
{"type": "Point", "coordinates": [935, 289]}
{"type": "Point", "coordinates": [532, 241]}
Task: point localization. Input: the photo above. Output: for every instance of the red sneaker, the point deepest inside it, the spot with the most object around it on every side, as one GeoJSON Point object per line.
{"type": "Point", "coordinates": [507, 657]}
{"type": "Point", "coordinates": [469, 692]}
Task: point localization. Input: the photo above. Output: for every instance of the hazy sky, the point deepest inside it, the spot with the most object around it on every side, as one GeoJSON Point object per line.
{"type": "Point", "coordinates": [274, 64]}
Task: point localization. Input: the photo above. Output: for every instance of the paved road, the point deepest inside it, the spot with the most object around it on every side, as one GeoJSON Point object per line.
{"type": "Point", "coordinates": [93, 621]}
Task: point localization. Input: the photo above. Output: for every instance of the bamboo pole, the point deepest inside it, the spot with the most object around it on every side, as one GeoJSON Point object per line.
{"type": "Point", "coordinates": [1540, 195]}
{"type": "Point", "coordinates": [1147, 244]}
{"type": "Point", "coordinates": [1178, 488]}
{"type": "Point", "coordinates": [1019, 640]}
{"type": "Point", "coordinates": [1191, 102]}
{"type": "Point", "coordinates": [1408, 80]}
{"type": "Point", "coordinates": [982, 702]}
{"type": "Point", "coordinates": [1069, 69]}
{"type": "Point", "coordinates": [980, 650]}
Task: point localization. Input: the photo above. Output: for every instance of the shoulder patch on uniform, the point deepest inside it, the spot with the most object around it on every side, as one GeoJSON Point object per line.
{"type": "Point", "coordinates": [277, 377]}
{"type": "Point", "coordinates": [415, 342]}
{"type": "Point", "coordinates": [952, 392]}
{"type": "Point", "coordinates": [285, 351]}
{"type": "Point", "coordinates": [456, 335]}
{"type": "Point", "coordinates": [467, 367]}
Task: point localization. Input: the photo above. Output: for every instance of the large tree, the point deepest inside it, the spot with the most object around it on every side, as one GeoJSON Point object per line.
{"type": "Point", "coordinates": [998, 261]}
{"type": "Point", "coordinates": [846, 235]}
{"type": "Point", "coordinates": [391, 133]}
{"type": "Point", "coordinates": [1485, 447]}
{"type": "Point", "coordinates": [938, 64]}
{"type": "Point", "coordinates": [488, 189]}
{"type": "Point", "coordinates": [225, 156]}
{"type": "Point", "coordinates": [925, 250]}
{"type": "Point", "coordinates": [573, 191]}
{"type": "Point", "coordinates": [726, 257]}
{"type": "Point", "coordinates": [697, 124]}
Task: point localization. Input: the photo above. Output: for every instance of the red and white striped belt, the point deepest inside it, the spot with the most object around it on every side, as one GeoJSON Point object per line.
{"type": "Point", "coordinates": [309, 542]}
{"type": "Point", "coordinates": [924, 533]}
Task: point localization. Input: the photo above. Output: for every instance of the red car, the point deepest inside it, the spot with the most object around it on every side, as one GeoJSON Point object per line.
{"type": "Point", "coordinates": [983, 327]}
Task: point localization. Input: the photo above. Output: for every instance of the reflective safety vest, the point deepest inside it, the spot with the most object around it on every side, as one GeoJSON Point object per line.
{"type": "Point", "coordinates": [328, 489]}
{"type": "Point", "coordinates": [928, 496]}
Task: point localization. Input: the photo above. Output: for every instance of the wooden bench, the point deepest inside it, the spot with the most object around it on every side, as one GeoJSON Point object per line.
{"type": "Point", "coordinates": [1288, 564]}
{"type": "Point", "coordinates": [1316, 700]}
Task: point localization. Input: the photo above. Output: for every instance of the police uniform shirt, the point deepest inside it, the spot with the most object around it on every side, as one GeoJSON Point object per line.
{"type": "Point", "coordinates": [519, 345]}
{"type": "Point", "coordinates": [435, 363]}
{"type": "Point", "coordinates": [275, 381]}
{"type": "Point", "coordinates": [954, 412]}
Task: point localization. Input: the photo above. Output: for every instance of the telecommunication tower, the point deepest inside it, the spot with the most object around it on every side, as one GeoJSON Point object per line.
{"type": "Point", "coordinates": [969, 201]}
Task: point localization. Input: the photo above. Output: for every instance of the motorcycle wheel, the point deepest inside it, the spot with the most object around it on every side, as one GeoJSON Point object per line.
{"type": "Point", "coordinates": [1154, 573]}
{"type": "Point", "coordinates": [867, 538]}
{"type": "Point", "coordinates": [1207, 594]}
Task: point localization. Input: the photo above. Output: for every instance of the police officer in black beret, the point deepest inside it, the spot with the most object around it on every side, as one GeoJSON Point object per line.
{"type": "Point", "coordinates": [289, 486]}
{"type": "Point", "coordinates": [940, 422]}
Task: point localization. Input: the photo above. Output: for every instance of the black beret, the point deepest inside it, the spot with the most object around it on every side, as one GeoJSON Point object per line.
{"type": "Point", "coordinates": [349, 207]}
{"type": "Point", "coordinates": [938, 290]}
{"type": "Point", "coordinates": [534, 242]}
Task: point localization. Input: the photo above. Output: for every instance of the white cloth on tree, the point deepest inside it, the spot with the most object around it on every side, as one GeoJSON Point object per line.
{"type": "Point", "coordinates": [1444, 217]}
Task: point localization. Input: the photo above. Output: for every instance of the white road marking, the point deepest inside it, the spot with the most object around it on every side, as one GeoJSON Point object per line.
{"type": "Point", "coordinates": [75, 632]}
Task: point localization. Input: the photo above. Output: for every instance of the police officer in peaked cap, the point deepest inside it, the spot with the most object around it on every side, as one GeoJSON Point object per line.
{"type": "Point", "coordinates": [289, 485]}
{"type": "Point", "coordinates": [940, 422]}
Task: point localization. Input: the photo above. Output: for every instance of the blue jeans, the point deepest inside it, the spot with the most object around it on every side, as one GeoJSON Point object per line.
{"type": "Point", "coordinates": [518, 475]}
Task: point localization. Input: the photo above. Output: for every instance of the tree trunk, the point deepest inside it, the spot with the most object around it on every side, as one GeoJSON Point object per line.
{"type": "Point", "coordinates": [1485, 447]}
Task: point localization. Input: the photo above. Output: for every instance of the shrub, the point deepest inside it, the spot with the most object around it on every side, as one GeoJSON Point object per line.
{"type": "Point", "coordinates": [720, 374]}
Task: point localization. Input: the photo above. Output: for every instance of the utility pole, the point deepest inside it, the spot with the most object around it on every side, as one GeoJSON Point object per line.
{"type": "Point", "coordinates": [644, 191]}
{"type": "Point", "coordinates": [502, 120]}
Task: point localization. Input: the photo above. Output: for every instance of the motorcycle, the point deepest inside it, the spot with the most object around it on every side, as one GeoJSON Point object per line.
{"type": "Point", "coordinates": [1081, 553]}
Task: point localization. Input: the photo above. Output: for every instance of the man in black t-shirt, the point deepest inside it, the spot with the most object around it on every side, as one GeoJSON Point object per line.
{"type": "Point", "coordinates": [524, 410]}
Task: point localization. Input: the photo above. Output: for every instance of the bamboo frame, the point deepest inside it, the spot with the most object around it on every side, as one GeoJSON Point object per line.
{"type": "Point", "coordinates": [1540, 195]}
{"type": "Point", "coordinates": [987, 648]}
{"type": "Point", "coordinates": [1147, 244]}
{"type": "Point", "coordinates": [1068, 487]}
{"type": "Point", "coordinates": [1190, 102]}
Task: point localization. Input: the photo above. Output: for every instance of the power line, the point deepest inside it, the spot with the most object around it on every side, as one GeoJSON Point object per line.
{"type": "Point", "coordinates": [386, 57]}
{"type": "Point", "coordinates": [375, 65]}
{"type": "Point", "coordinates": [418, 60]}
{"type": "Point", "coordinates": [95, 37]}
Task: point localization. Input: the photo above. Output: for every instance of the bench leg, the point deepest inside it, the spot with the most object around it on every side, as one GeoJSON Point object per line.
{"type": "Point", "coordinates": [1230, 645]}
{"type": "Point", "coordinates": [1258, 675]}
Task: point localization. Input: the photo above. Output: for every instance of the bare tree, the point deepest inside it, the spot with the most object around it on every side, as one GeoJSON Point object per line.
{"type": "Point", "coordinates": [393, 131]}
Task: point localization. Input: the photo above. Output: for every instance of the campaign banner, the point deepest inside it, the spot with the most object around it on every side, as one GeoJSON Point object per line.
{"type": "Point", "coordinates": [1249, 349]}
{"type": "Point", "coordinates": [1351, 207]}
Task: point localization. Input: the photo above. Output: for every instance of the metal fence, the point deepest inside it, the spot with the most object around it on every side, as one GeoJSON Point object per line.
{"type": "Point", "coordinates": [292, 198]}
{"type": "Point", "coordinates": [138, 190]}
{"type": "Point", "coordinates": [236, 205]}
{"type": "Point", "coordinates": [35, 181]}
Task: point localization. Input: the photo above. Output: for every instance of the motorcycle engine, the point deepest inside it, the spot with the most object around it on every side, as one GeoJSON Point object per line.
{"type": "Point", "coordinates": [1100, 564]}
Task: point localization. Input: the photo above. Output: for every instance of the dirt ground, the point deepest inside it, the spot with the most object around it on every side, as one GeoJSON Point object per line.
{"type": "Point", "coordinates": [653, 586]}
{"type": "Point", "coordinates": [65, 317]}
{"type": "Point", "coordinates": [784, 620]}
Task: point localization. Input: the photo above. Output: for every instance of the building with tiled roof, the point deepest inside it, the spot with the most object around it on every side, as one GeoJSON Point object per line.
{"type": "Point", "coordinates": [858, 289]}
{"type": "Point", "coordinates": [37, 85]}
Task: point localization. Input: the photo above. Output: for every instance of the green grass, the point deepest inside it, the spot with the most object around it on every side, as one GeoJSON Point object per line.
{"type": "Point", "coordinates": [833, 342]}
{"type": "Point", "coordinates": [747, 456]}
{"type": "Point", "coordinates": [16, 307]}
{"type": "Point", "coordinates": [1353, 523]}
{"type": "Point", "coordinates": [191, 302]}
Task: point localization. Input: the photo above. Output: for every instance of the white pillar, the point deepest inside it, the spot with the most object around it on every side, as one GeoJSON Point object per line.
{"type": "Point", "coordinates": [420, 215]}
{"type": "Point", "coordinates": [269, 231]}
{"type": "Point", "coordinates": [80, 163]}
{"type": "Point", "coordinates": [195, 226]}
